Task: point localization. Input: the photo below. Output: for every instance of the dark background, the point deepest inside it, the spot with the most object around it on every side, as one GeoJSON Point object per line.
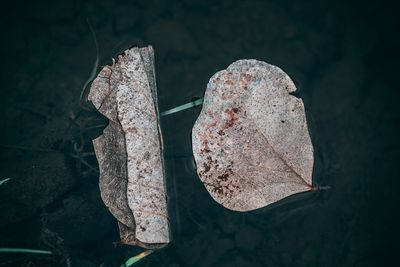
{"type": "Point", "coordinates": [343, 56]}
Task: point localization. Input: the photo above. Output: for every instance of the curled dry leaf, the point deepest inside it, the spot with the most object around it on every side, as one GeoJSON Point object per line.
{"type": "Point", "coordinates": [130, 150]}
{"type": "Point", "coordinates": [251, 142]}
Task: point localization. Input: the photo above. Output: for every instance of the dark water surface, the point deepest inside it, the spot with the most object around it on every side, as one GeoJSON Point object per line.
{"type": "Point", "coordinates": [343, 58]}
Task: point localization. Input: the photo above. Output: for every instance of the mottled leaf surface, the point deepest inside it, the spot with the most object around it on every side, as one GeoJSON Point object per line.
{"type": "Point", "coordinates": [130, 150]}
{"type": "Point", "coordinates": [251, 142]}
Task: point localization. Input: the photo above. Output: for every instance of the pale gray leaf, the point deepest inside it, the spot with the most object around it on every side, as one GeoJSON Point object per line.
{"type": "Point", "coordinates": [251, 142]}
{"type": "Point", "coordinates": [129, 152]}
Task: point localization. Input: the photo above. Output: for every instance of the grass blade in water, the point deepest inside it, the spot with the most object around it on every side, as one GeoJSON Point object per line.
{"type": "Point", "coordinates": [191, 104]}
{"type": "Point", "coordinates": [24, 250]}
{"type": "Point", "coordinates": [137, 258]}
{"type": "Point", "coordinates": [4, 181]}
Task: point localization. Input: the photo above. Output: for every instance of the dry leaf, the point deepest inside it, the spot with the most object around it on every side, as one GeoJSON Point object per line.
{"type": "Point", "coordinates": [130, 150]}
{"type": "Point", "coordinates": [251, 142]}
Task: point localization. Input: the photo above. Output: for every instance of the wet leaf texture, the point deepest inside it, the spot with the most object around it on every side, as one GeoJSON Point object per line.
{"type": "Point", "coordinates": [251, 142]}
{"type": "Point", "coordinates": [129, 151]}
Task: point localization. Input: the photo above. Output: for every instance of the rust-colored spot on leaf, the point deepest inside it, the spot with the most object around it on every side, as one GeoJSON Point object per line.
{"type": "Point", "coordinates": [229, 82]}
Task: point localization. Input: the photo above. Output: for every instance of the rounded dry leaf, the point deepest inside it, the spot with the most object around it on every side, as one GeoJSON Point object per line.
{"type": "Point", "coordinates": [251, 142]}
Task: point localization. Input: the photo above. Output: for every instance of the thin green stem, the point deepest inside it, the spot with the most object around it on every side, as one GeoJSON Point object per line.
{"type": "Point", "coordinates": [24, 250]}
{"type": "Point", "coordinates": [191, 104]}
{"type": "Point", "coordinates": [135, 259]}
{"type": "Point", "coordinates": [4, 180]}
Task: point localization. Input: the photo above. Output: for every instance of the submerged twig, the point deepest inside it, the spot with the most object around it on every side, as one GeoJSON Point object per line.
{"type": "Point", "coordinates": [28, 148]}
{"type": "Point", "coordinates": [95, 65]}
